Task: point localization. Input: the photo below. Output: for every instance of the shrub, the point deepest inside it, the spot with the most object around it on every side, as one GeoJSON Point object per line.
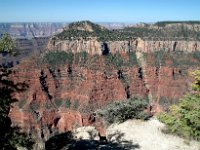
{"type": "Point", "coordinates": [183, 60]}
{"type": "Point", "coordinates": [77, 58]}
{"type": "Point", "coordinates": [132, 59]}
{"type": "Point", "coordinates": [58, 102]}
{"type": "Point", "coordinates": [159, 57]}
{"type": "Point", "coordinates": [184, 119]}
{"type": "Point", "coordinates": [68, 103]}
{"type": "Point", "coordinates": [11, 137]}
{"type": "Point", "coordinates": [34, 106]}
{"type": "Point", "coordinates": [116, 60]}
{"type": "Point", "coordinates": [121, 111]}
{"type": "Point", "coordinates": [57, 58]}
{"type": "Point", "coordinates": [166, 102]}
{"type": "Point", "coordinates": [196, 55]}
{"type": "Point", "coordinates": [81, 57]}
{"type": "Point", "coordinates": [76, 104]}
{"type": "Point", "coordinates": [6, 43]}
{"type": "Point", "coordinates": [22, 103]}
{"type": "Point", "coordinates": [196, 85]}
{"type": "Point", "coordinates": [49, 106]}
{"type": "Point", "coordinates": [69, 58]}
{"type": "Point", "coordinates": [84, 57]}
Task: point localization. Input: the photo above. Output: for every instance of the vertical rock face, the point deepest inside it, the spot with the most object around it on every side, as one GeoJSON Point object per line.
{"type": "Point", "coordinates": [186, 46]}
{"type": "Point", "coordinates": [95, 47]}
{"type": "Point", "coordinates": [74, 98]}
{"type": "Point", "coordinates": [91, 46]}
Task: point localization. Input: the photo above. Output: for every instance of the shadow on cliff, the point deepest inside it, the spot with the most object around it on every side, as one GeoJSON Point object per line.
{"type": "Point", "coordinates": [10, 137]}
{"type": "Point", "coordinates": [65, 141]}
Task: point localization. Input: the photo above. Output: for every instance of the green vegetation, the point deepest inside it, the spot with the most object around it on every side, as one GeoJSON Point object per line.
{"type": "Point", "coordinates": [178, 32]}
{"type": "Point", "coordinates": [166, 102]}
{"type": "Point", "coordinates": [119, 61]}
{"type": "Point", "coordinates": [164, 23]}
{"type": "Point", "coordinates": [68, 103]}
{"type": "Point", "coordinates": [76, 105]}
{"type": "Point", "coordinates": [21, 103]}
{"type": "Point", "coordinates": [6, 43]}
{"type": "Point", "coordinates": [145, 31]}
{"type": "Point", "coordinates": [185, 60]}
{"type": "Point", "coordinates": [58, 102]}
{"type": "Point", "coordinates": [121, 111]}
{"type": "Point", "coordinates": [177, 59]}
{"type": "Point", "coordinates": [57, 58]}
{"type": "Point", "coordinates": [116, 60]}
{"type": "Point", "coordinates": [196, 85]}
{"type": "Point", "coordinates": [81, 58]}
{"type": "Point", "coordinates": [10, 137]}
{"type": "Point", "coordinates": [132, 58]}
{"type": "Point", "coordinates": [160, 58]}
{"type": "Point", "coordinates": [183, 119]}
{"type": "Point", "coordinates": [34, 106]}
{"type": "Point", "coordinates": [86, 25]}
{"type": "Point", "coordinates": [78, 30]}
{"type": "Point", "coordinates": [196, 56]}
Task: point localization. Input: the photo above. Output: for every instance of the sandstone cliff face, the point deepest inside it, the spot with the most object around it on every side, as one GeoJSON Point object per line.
{"type": "Point", "coordinates": [87, 90]}
{"type": "Point", "coordinates": [179, 45]}
{"type": "Point", "coordinates": [93, 46]}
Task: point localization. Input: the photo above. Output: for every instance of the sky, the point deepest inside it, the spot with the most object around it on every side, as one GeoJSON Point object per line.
{"type": "Point", "coordinates": [98, 10]}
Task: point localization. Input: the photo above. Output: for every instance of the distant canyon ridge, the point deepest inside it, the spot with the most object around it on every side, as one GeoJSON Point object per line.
{"type": "Point", "coordinates": [93, 38]}
{"type": "Point", "coordinates": [31, 30]}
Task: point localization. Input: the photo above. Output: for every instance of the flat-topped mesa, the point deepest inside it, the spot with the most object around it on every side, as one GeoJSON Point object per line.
{"type": "Point", "coordinates": [94, 39]}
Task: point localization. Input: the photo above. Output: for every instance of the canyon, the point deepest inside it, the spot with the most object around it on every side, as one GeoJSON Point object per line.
{"type": "Point", "coordinates": [31, 30]}
{"type": "Point", "coordinates": [64, 97]}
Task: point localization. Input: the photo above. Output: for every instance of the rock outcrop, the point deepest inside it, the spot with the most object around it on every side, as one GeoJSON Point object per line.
{"type": "Point", "coordinates": [69, 101]}
{"type": "Point", "coordinates": [90, 37]}
{"type": "Point", "coordinates": [93, 46]}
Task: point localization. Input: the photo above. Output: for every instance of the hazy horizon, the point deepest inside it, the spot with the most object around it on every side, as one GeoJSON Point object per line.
{"type": "Point", "coordinates": [68, 22]}
{"type": "Point", "coordinates": [108, 11]}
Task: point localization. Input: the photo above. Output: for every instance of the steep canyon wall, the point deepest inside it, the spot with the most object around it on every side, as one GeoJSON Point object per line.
{"type": "Point", "coordinates": [93, 46]}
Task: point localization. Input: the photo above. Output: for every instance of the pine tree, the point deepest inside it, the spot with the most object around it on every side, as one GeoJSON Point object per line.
{"type": "Point", "coordinates": [10, 137]}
